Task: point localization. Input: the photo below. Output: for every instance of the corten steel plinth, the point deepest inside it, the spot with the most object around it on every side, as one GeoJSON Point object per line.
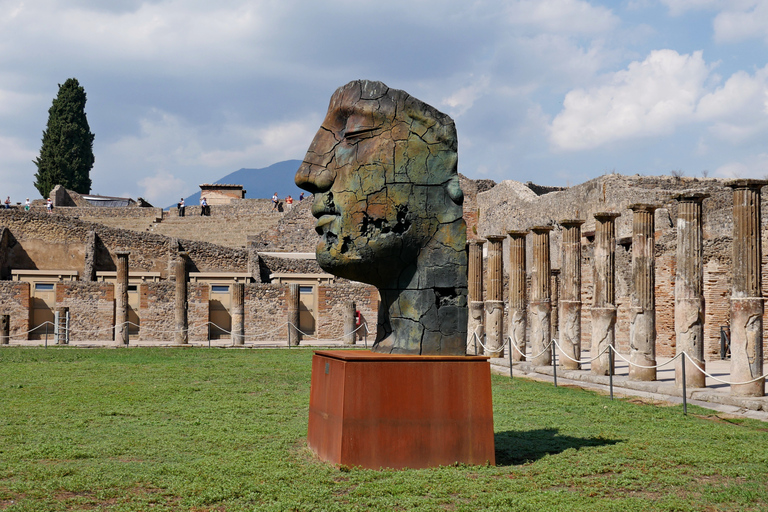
{"type": "Point", "coordinates": [476, 323]}
{"type": "Point", "coordinates": [570, 295]}
{"type": "Point", "coordinates": [294, 301]}
{"type": "Point", "coordinates": [747, 294]}
{"type": "Point", "coordinates": [400, 411]}
{"type": "Point", "coordinates": [181, 336]}
{"type": "Point", "coordinates": [604, 295]}
{"type": "Point", "coordinates": [518, 295]}
{"type": "Point", "coordinates": [540, 304]}
{"type": "Point", "coordinates": [494, 303]}
{"type": "Point", "coordinates": [642, 320]}
{"type": "Point", "coordinates": [238, 314]}
{"type": "Point", "coordinates": [689, 290]}
{"type": "Point", "coordinates": [121, 298]}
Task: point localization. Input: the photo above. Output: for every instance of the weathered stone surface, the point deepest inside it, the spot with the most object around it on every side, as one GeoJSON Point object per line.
{"type": "Point", "coordinates": [349, 334]}
{"type": "Point", "coordinates": [238, 314]}
{"type": "Point", "coordinates": [604, 298]}
{"type": "Point", "coordinates": [747, 293]}
{"type": "Point", "coordinates": [294, 335]}
{"type": "Point", "coordinates": [382, 169]}
{"type": "Point", "coordinates": [181, 334]}
{"type": "Point", "coordinates": [570, 294]}
{"type": "Point", "coordinates": [121, 298]}
{"type": "Point", "coordinates": [518, 302]}
{"type": "Point", "coordinates": [5, 329]}
{"type": "Point", "coordinates": [642, 321]}
{"type": "Point", "coordinates": [689, 289]}
{"type": "Point", "coordinates": [541, 306]}
{"type": "Point", "coordinates": [476, 321]}
{"type": "Point", "coordinates": [494, 303]}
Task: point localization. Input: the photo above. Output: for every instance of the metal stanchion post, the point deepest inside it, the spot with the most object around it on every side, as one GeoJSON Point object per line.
{"type": "Point", "coordinates": [554, 364]}
{"type": "Point", "coordinates": [610, 370]}
{"type": "Point", "coordinates": [46, 335]}
{"type": "Point", "coordinates": [685, 398]}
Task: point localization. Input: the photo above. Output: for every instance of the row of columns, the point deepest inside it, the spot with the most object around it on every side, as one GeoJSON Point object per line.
{"type": "Point", "coordinates": [746, 298]}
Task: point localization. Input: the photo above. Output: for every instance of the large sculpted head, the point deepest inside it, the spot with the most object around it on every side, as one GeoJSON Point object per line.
{"type": "Point", "coordinates": [382, 169]}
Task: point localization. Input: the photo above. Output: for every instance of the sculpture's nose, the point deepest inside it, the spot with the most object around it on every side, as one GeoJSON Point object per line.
{"type": "Point", "coordinates": [314, 174]}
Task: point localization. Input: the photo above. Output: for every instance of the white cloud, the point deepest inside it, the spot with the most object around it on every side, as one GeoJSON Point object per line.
{"type": "Point", "coordinates": [462, 99]}
{"type": "Point", "coordinates": [752, 166]}
{"type": "Point", "coordinates": [648, 98]}
{"type": "Point", "coordinates": [738, 24]}
{"type": "Point", "coordinates": [161, 186]}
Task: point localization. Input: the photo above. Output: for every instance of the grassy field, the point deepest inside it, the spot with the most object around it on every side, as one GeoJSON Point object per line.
{"type": "Point", "coordinates": [172, 429]}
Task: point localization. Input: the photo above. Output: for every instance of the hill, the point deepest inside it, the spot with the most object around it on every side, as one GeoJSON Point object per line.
{"type": "Point", "coordinates": [260, 183]}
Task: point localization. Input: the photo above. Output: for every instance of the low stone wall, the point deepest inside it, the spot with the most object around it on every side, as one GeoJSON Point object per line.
{"type": "Point", "coordinates": [156, 311]}
{"type": "Point", "coordinates": [266, 312]}
{"type": "Point", "coordinates": [96, 212]}
{"type": "Point", "coordinates": [331, 308]}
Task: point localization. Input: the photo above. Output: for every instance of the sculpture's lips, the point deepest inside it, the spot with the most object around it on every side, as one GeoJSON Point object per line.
{"type": "Point", "coordinates": [323, 221]}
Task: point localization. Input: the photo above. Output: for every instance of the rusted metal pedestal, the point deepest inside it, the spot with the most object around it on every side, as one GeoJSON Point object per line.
{"type": "Point", "coordinates": [398, 411]}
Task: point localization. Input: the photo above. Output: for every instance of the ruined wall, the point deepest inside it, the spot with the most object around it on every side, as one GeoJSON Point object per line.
{"type": "Point", "coordinates": [265, 310]}
{"type": "Point", "coordinates": [331, 303]}
{"type": "Point", "coordinates": [198, 311]}
{"type": "Point", "coordinates": [91, 309]}
{"type": "Point", "coordinates": [15, 301]}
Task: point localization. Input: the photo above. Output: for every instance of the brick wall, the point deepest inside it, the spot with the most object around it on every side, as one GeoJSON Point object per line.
{"type": "Point", "coordinates": [265, 310]}
{"type": "Point", "coordinates": [331, 302]}
{"type": "Point", "coordinates": [91, 309]}
{"type": "Point", "coordinates": [15, 301]}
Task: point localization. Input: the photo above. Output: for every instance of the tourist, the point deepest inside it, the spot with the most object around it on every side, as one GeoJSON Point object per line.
{"type": "Point", "coordinates": [182, 208]}
{"type": "Point", "coordinates": [275, 201]}
{"type": "Point", "coordinates": [204, 207]}
{"type": "Point", "coordinates": [8, 202]}
{"type": "Point", "coordinates": [49, 205]}
{"type": "Point", "coordinates": [289, 202]}
{"type": "Point", "coordinates": [301, 196]}
{"type": "Point", "coordinates": [26, 205]}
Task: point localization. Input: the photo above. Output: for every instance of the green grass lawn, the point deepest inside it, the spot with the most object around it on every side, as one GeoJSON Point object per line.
{"type": "Point", "coordinates": [199, 429]}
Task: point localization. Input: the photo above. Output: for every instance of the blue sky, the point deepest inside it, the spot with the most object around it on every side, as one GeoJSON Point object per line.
{"type": "Point", "coordinates": [181, 92]}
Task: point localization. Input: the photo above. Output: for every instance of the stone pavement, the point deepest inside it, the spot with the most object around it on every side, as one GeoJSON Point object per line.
{"type": "Point", "coordinates": [715, 396]}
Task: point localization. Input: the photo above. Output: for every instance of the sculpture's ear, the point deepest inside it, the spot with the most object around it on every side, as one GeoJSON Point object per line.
{"type": "Point", "coordinates": [453, 187]}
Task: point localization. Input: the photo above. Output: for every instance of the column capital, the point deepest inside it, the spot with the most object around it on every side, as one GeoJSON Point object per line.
{"type": "Point", "coordinates": [606, 215]}
{"type": "Point", "coordinates": [122, 252]}
{"type": "Point", "coordinates": [690, 196]}
{"type": "Point", "coordinates": [476, 241]}
{"type": "Point", "coordinates": [571, 223]}
{"type": "Point", "coordinates": [643, 207]}
{"type": "Point", "coordinates": [541, 229]}
{"type": "Point", "coordinates": [495, 238]}
{"type": "Point", "coordinates": [744, 183]}
{"type": "Point", "coordinates": [518, 233]}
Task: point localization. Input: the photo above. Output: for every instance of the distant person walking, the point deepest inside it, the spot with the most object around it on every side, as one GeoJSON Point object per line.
{"type": "Point", "coordinates": [301, 196]}
{"type": "Point", "coordinates": [49, 205]}
{"type": "Point", "coordinates": [26, 205]}
{"type": "Point", "coordinates": [275, 201]}
{"type": "Point", "coordinates": [8, 202]}
{"type": "Point", "coordinates": [204, 207]}
{"type": "Point", "coordinates": [182, 208]}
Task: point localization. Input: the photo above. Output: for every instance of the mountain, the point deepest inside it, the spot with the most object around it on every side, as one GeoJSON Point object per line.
{"type": "Point", "coordinates": [260, 183]}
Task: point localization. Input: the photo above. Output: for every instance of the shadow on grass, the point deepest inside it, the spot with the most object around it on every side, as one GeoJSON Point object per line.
{"type": "Point", "coordinates": [517, 447]}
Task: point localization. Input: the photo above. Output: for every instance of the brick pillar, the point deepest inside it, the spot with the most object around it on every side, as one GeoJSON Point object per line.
{"type": "Point", "coordinates": [494, 304]}
{"type": "Point", "coordinates": [121, 299]}
{"type": "Point", "coordinates": [5, 329]}
{"type": "Point", "coordinates": [181, 336]}
{"type": "Point", "coordinates": [518, 296]}
{"type": "Point", "coordinates": [570, 294]}
{"type": "Point", "coordinates": [642, 321]}
{"type": "Point", "coordinates": [540, 305]}
{"type": "Point", "coordinates": [294, 336]}
{"type": "Point", "coordinates": [61, 325]}
{"type": "Point", "coordinates": [476, 324]}
{"type": "Point", "coordinates": [746, 295]}
{"type": "Point", "coordinates": [238, 314]}
{"type": "Point", "coordinates": [350, 309]}
{"type": "Point", "coordinates": [89, 265]}
{"type": "Point", "coordinates": [604, 295]}
{"type": "Point", "coordinates": [689, 290]}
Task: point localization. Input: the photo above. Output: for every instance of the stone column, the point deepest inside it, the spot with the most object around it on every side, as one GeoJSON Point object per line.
{"type": "Point", "coordinates": [181, 336]}
{"type": "Point", "coordinates": [238, 314]}
{"type": "Point", "coordinates": [554, 286]}
{"type": "Point", "coordinates": [518, 293]}
{"type": "Point", "coordinates": [61, 325]}
{"type": "Point", "coordinates": [570, 294]}
{"type": "Point", "coordinates": [476, 324]}
{"type": "Point", "coordinates": [642, 320]}
{"type": "Point", "coordinates": [294, 336]}
{"type": "Point", "coordinates": [540, 304]}
{"type": "Point", "coordinates": [5, 329]}
{"type": "Point", "coordinates": [350, 308]}
{"type": "Point", "coordinates": [121, 298]}
{"type": "Point", "coordinates": [689, 290]}
{"type": "Point", "coordinates": [89, 265]}
{"type": "Point", "coordinates": [604, 295]}
{"type": "Point", "coordinates": [494, 304]}
{"type": "Point", "coordinates": [746, 295]}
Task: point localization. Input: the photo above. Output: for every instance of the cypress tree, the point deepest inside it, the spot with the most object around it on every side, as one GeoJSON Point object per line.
{"type": "Point", "coordinates": [66, 156]}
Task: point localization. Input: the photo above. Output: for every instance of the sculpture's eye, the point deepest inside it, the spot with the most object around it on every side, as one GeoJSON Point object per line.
{"type": "Point", "coordinates": [355, 135]}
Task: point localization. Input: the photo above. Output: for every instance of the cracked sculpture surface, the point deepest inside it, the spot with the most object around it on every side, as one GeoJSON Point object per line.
{"type": "Point", "coordinates": [382, 168]}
